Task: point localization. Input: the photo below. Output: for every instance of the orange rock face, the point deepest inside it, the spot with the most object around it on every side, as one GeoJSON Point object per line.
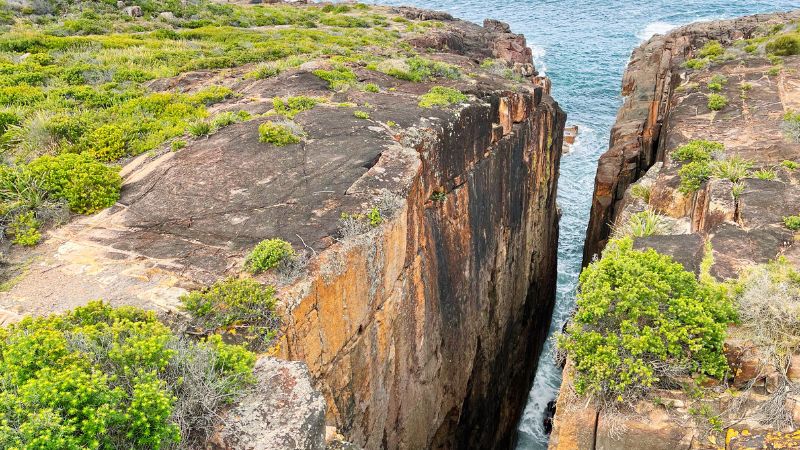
{"type": "Point", "coordinates": [424, 332]}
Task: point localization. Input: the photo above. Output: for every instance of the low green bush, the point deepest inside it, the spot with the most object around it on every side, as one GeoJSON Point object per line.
{"type": "Point", "coordinates": [717, 82]}
{"type": "Point", "coordinates": [421, 69]}
{"type": "Point", "coordinates": [107, 143]}
{"type": "Point", "coordinates": [765, 174]}
{"type": "Point", "coordinates": [278, 135]}
{"type": "Point", "coordinates": [693, 175]}
{"type": "Point", "coordinates": [268, 254]}
{"type": "Point", "coordinates": [717, 101]}
{"type": "Point", "coordinates": [338, 78]}
{"type": "Point", "coordinates": [791, 165]}
{"type": "Point", "coordinates": [85, 184]}
{"type": "Point", "coordinates": [372, 87]}
{"type": "Point", "coordinates": [641, 224]}
{"type": "Point", "coordinates": [786, 45]}
{"type": "Point", "coordinates": [696, 63]}
{"type": "Point", "coordinates": [712, 49]}
{"type": "Point", "coordinates": [697, 150]}
{"type": "Point", "coordinates": [238, 304]}
{"type": "Point", "coordinates": [200, 128]}
{"type": "Point", "coordinates": [361, 114]}
{"type": "Point", "coordinates": [8, 118]}
{"type": "Point", "coordinates": [641, 318]}
{"type": "Point", "coordinates": [734, 168]}
{"type": "Point", "coordinates": [24, 229]}
{"type": "Point", "coordinates": [106, 378]}
{"type": "Point", "coordinates": [441, 97]}
{"type": "Point", "coordinates": [291, 106]}
{"type": "Point", "coordinates": [792, 222]}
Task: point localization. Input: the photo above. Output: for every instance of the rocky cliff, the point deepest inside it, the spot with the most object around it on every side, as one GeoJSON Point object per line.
{"type": "Point", "coordinates": [720, 86]}
{"type": "Point", "coordinates": [422, 328]}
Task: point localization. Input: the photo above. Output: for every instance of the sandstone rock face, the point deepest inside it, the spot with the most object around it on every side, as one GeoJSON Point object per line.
{"type": "Point", "coordinates": [283, 411]}
{"type": "Point", "coordinates": [426, 322]}
{"type": "Point", "coordinates": [422, 332]}
{"type": "Point", "coordinates": [738, 217]}
{"type": "Point", "coordinates": [638, 139]}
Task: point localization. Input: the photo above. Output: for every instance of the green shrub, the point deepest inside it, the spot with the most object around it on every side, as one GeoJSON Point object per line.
{"type": "Point", "coordinates": [441, 97]}
{"type": "Point", "coordinates": [268, 254]}
{"type": "Point", "coordinates": [717, 82]}
{"type": "Point", "coordinates": [641, 224]}
{"type": "Point", "coordinates": [24, 229]}
{"type": "Point", "coordinates": [345, 22]}
{"type": "Point", "coordinates": [337, 9]}
{"type": "Point", "coordinates": [792, 222]}
{"type": "Point", "coordinates": [278, 135]}
{"type": "Point", "coordinates": [292, 106]}
{"type": "Point", "coordinates": [696, 64]}
{"type": "Point", "coordinates": [765, 174]}
{"type": "Point", "coordinates": [774, 71]}
{"type": "Point", "coordinates": [22, 95]}
{"type": "Point", "coordinates": [200, 128]}
{"type": "Point", "coordinates": [87, 185]}
{"type": "Point", "coordinates": [712, 49]}
{"type": "Point", "coordinates": [786, 45]}
{"type": "Point", "coordinates": [361, 114]}
{"type": "Point", "coordinates": [107, 143]}
{"type": "Point", "coordinates": [99, 377]}
{"type": "Point", "coordinates": [338, 78]}
{"type": "Point", "coordinates": [8, 118]}
{"type": "Point", "coordinates": [421, 69]}
{"type": "Point", "coordinates": [733, 169]}
{"type": "Point", "coordinates": [751, 48]}
{"type": "Point", "coordinates": [264, 71]}
{"type": "Point", "coordinates": [223, 119]}
{"type": "Point", "coordinates": [236, 303]}
{"type": "Point", "coordinates": [693, 175]}
{"type": "Point", "coordinates": [211, 95]}
{"type": "Point", "coordinates": [640, 315]}
{"type": "Point", "coordinates": [177, 145]}
{"type": "Point", "coordinates": [716, 102]}
{"type": "Point", "coordinates": [372, 87]}
{"type": "Point", "coordinates": [697, 150]}
{"type": "Point", "coordinates": [791, 165]}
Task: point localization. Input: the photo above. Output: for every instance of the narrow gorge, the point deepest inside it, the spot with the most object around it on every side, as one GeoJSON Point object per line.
{"type": "Point", "coordinates": [252, 225]}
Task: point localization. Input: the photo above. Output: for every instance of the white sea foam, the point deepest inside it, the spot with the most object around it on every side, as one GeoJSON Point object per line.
{"type": "Point", "coordinates": [538, 59]}
{"type": "Point", "coordinates": [653, 29]}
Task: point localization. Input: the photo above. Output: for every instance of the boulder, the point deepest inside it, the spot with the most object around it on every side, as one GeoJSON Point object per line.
{"type": "Point", "coordinates": [134, 11]}
{"type": "Point", "coordinates": [282, 412]}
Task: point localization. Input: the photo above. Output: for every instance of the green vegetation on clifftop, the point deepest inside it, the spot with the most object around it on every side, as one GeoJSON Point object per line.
{"type": "Point", "coordinates": [641, 320]}
{"type": "Point", "coordinates": [109, 378]}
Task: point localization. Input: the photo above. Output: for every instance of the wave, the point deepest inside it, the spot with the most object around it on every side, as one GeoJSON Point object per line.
{"type": "Point", "coordinates": [653, 29]}
{"type": "Point", "coordinates": [538, 59]}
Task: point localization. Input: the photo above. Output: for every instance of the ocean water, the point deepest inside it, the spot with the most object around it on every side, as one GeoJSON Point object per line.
{"type": "Point", "coordinates": [583, 46]}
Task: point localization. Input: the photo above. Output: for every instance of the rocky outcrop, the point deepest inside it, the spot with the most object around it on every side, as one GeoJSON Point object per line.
{"type": "Point", "coordinates": [637, 138]}
{"type": "Point", "coordinates": [282, 411]}
{"type": "Point", "coordinates": [422, 331]}
{"type": "Point", "coordinates": [732, 222]}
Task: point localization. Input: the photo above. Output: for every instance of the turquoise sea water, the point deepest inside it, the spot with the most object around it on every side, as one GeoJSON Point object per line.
{"type": "Point", "coordinates": [583, 46]}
